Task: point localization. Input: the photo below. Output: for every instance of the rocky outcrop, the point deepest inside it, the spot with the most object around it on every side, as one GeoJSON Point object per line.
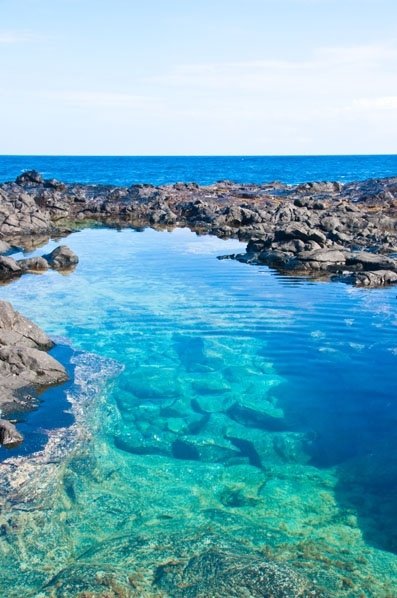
{"type": "Point", "coordinates": [9, 435]}
{"type": "Point", "coordinates": [62, 258]}
{"type": "Point", "coordinates": [24, 364]}
{"type": "Point", "coordinates": [299, 228]}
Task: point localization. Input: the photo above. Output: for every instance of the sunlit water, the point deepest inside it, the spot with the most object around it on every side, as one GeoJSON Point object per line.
{"type": "Point", "coordinates": [205, 170]}
{"type": "Point", "coordinates": [213, 402]}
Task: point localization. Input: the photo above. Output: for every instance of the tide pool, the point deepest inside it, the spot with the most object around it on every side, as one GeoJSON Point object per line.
{"type": "Point", "coordinates": [216, 404]}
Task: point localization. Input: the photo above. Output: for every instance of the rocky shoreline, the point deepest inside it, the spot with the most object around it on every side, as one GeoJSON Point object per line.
{"type": "Point", "coordinates": [25, 368]}
{"type": "Point", "coordinates": [344, 232]}
{"type": "Point", "coordinates": [339, 231]}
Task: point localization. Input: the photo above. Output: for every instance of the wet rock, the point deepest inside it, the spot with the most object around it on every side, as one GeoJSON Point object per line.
{"type": "Point", "coordinates": [9, 268]}
{"type": "Point", "coordinates": [9, 435]}
{"type": "Point", "coordinates": [218, 574]}
{"type": "Point", "coordinates": [25, 366]}
{"type": "Point", "coordinates": [379, 278]}
{"type": "Point", "coordinates": [23, 362]}
{"type": "Point", "coordinates": [61, 258]}
{"type": "Point", "coordinates": [280, 222]}
{"type": "Point", "coordinates": [33, 264]}
{"type": "Point", "coordinates": [260, 416]}
{"type": "Point", "coordinates": [206, 449]}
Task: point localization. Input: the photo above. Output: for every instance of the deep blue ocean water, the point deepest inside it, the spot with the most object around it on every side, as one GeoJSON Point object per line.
{"type": "Point", "coordinates": [215, 403]}
{"type": "Point", "coordinates": [203, 170]}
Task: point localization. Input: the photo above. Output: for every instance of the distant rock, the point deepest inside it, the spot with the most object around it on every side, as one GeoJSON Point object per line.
{"type": "Point", "coordinates": [30, 176]}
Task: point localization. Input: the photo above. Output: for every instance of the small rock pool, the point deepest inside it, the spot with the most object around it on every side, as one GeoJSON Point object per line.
{"type": "Point", "coordinates": [226, 419]}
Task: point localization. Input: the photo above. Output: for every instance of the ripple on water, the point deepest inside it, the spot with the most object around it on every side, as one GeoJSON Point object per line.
{"type": "Point", "coordinates": [250, 414]}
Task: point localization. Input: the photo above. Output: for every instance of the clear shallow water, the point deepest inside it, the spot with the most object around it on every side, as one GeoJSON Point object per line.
{"type": "Point", "coordinates": [251, 409]}
{"type": "Point", "coordinates": [160, 170]}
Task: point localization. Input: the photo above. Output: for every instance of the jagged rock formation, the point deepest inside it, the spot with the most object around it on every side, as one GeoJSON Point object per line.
{"type": "Point", "coordinates": [24, 364]}
{"type": "Point", "coordinates": [310, 229]}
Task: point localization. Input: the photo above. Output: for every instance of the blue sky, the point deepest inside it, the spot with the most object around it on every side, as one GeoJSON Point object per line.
{"type": "Point", "coordinates": [197, 77]}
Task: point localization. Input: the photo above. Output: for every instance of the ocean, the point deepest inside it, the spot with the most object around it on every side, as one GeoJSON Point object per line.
{"type": "Point", "coordinates": [206, 170]}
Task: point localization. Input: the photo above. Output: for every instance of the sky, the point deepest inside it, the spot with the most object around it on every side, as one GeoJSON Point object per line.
{"type": "Point", "coordinates": [198, 77]}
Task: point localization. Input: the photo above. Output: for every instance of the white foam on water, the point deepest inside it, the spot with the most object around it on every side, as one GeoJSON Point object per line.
{"type": "Point", "coordinates": [24, 476]}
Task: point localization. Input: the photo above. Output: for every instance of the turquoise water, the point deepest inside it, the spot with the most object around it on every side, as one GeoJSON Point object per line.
{"type": "Point", "coordinates": [205, 170]}
{"type": "Point", "coordinates": [214, 403]}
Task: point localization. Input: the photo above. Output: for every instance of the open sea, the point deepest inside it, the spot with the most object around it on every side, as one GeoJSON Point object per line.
{"type": "Point", "coordinates": [214, 406]}
{"type": "Point", "coordinates": [126, 170]}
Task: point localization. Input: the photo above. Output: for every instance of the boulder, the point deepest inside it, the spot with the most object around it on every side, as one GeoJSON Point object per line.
{"type": "Point", "coordinates": [30, 176]}
{"type": "Point", "coordinates": [4, 247]}
{"type": "Point", "coordinates": [25, 366]}
{"type": "Point", "coordinates": [328, 256]}
{"type": "Point", "coordinates": [365, 260]}
{"type": "Point", "coordinates": [61, 258]}
{"type": "Point", "coordinates": [16, 330]}
{"type": "Point", "coordinates": [379, 278]}
{"type": "Point", "coordinates": [9, 435]}
{"type": "Point", "coordinates": [33, 264]}
{"type": "Point", "coordinates": [9, 268]}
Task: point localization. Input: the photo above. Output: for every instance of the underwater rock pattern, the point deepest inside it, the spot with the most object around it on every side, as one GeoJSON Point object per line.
{"type": "Point", "coordinates": [249, 431]}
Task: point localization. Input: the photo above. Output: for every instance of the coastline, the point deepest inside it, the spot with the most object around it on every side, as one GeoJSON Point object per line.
{"type": "Point", "coordinates": [321, 230]}
{"type": "Point", "coordinates": [66, 576]}
{"type": "Point", "coordinates": [339, 231]}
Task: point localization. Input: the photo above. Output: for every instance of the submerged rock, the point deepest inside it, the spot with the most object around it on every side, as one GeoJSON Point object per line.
{"type": "Point", "coordinates": [218, 574]}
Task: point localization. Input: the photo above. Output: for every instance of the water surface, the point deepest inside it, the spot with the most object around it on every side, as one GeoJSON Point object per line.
{"type": "Point", "coordinates": [205, 170]}
{"type": "Point", "coordinates": [227, 404]}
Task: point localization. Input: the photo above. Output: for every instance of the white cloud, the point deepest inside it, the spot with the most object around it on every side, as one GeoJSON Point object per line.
{"type": "Point", "coordinates": [101, 99]}
{"type": "Point", "coordinates": [383, 103]}
{"type": "Point", "coordinates": [16, 37]}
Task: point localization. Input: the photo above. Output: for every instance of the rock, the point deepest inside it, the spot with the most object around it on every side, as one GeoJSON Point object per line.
{"type": "Point", "coordinates": [25, 366]}
{"type": "Point", "coordinates": [9, 268]}
{"type": "Point", "coordinates": [61, 258]}
{"type": "Point", "coordinates": [364, 260]}
{"type": "Point", "coordinates": [218, 573]}
{"type": "Point", "coordinates": [328, 256]}
{"type": "Point", "coordinates": [33, 264]}
{"type": "Point", "coordinates": [260, 416]}
{"type": "Point", "coordinates": [378, 278]}
{"type": "Point", "coordinates": [16, 330]}
{"type": "Point", "coordinates": [9, 435]}
{"type": "Point", "coordinates": [4, 247]}
{"type": "Point", "coordinates": [30, 176]}
{"type": "Point", "coordinates": [23, 361]}
{"type": "Point", "coordinates": [299, 231]}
